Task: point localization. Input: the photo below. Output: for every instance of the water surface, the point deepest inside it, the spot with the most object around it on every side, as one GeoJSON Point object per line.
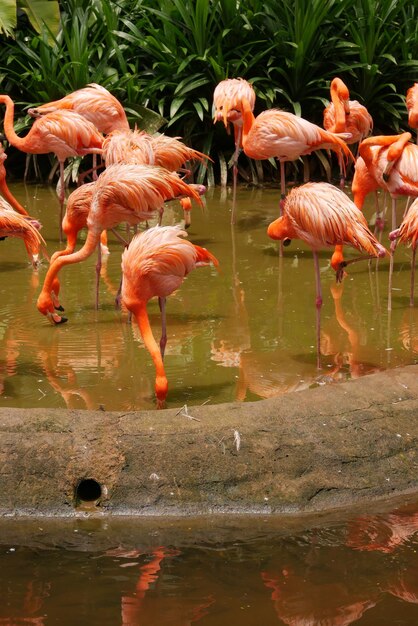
{"type": "Point", "coordinates": [245, 333]}
{"type": "Point", "coordinates": [323, 571]}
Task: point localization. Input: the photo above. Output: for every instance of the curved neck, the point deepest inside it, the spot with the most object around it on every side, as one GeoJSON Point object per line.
{"type": "Point", "coordinates": [7, 195]}
{"type": "Point", "coordinates": [339, 110]}
{"type": "Point", "coordinates": [87, 250]}
{"type": "Point", "coordinates": [139, 309]}
{"type": "Point", "coordinates": [248, 120]}
{"type": "Point", "coordinates": [9, 130]}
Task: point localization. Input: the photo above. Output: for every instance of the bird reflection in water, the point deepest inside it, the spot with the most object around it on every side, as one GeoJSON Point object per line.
{"type": "Point", "coordinates": [145, 607]}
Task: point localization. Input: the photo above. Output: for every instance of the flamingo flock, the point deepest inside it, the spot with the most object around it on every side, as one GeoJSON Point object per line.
{"type": "Point", "coordinates": [143, 171]}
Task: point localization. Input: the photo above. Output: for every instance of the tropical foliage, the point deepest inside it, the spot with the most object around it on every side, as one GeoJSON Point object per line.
{"type": "Point", "coordinates": [167, 58]}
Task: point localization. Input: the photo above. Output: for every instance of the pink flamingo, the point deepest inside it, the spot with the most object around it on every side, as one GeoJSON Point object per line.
{"type": "Point", "coordinates": [155, 264]}
{"type": "Point", "coordinates": [122, 193]}
{"type": "Point", "coordinates": [323, 216]}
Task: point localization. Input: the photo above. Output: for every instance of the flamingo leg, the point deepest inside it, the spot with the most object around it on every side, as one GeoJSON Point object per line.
{"type": "Point", "coordinates": [411, 299]}
{"type": "Point", "coordinates": [61, 195]}
{"type": "Point", "coordinates": [318, 305]}
{"type": "Point", "coordinates": [235, 173]}
{"type": "Point", "coordinates": [391, 257]}
{"type": "Point", "coordinates": [98, 268]}
{"type": "Point", "coordinates": [163, 340]}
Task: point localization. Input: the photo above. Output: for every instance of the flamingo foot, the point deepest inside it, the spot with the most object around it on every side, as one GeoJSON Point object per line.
{"type": "Point", "coordinates": [340, 274]}
{"type": "Point", "coordinates": [56, 319]}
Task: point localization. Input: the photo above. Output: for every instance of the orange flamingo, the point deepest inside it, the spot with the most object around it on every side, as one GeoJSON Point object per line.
{"type": "Point", "coordinates": [93, 102]}
{"type": "Point", "coordinates": [407, 233]}
{"type": "Point", "coordinates": [343, 115]}
{"type": "Point", "coordinates": [227, 101]}
{"type": "Point", "coordinates": [392, 161]}
{"type": "Point", "coordinates": [12, 224]}
{"type": "Point", "coordinates": [286, 137]}
{"type": "Point", "coordinates": [412, 107]}
{"type": "Point", "coordinates": [123, 193]}
{"type": "Point", "coordinates": [133, 146]}
{"type": "Point", "coordinates": [65, 133]}
{"type": "Point", "coordinates": [323, 216]}
{"type": "Point", "coordinates": [155, 264]}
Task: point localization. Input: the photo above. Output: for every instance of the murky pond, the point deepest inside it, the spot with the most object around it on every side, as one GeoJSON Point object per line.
{"type": "Point", "coordinates": [324, 571]}
{"type": "Point", "coordinates": [245, 333]}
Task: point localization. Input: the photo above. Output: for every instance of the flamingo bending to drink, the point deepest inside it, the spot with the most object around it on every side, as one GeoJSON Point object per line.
{"type": "Point", "coordinates": [122, 193]}
{"type": "Point", "coordinates": [324, 216]}
{"type": "Point", "coordinates": [155, 264]}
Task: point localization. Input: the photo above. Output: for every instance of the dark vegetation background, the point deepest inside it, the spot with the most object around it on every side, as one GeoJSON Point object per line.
{"type": "Point", "coordinates": [163, 59]}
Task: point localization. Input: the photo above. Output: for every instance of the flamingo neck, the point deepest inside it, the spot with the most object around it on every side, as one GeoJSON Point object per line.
{"type": "Point", "coordinates": [45, 303]}
{"type": "Point", "coordinates": [248, 121]}
{"type": "Point", "coordinates": [12, 137]}
{"type": "Point", "coordinates": [339, 110]}
{"type": "Point", "coordinates": [139, 309]}
{"type": "Point", "coordinates": [7, 195]}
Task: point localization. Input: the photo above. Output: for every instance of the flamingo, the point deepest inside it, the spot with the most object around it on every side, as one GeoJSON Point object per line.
{"type": "Point", "coordinates": [343, 115]}
{"type": "Point", "coordinates": [392, 160]}
{"type": "Point", "coordinates": [122, 193]}
{"type": "Point", "coordinates": [407, 233]}
{"type": "Point", "coordinates": [133, 146]}
{"type": "Point", "coordinates": [12, 224]}
{"type": "Point", "coordinates": [155, 264]}
{"type": "Point", "coordinates": [227, 101]}
{"type": "Point", "coordinates": [65, 133]}
{"type": "Point", "coordinates": [286, 137]}
{"type": "Point", "coordinates": [412, 106]}
{"type": "Point", "coordinates": [323, 216]}
{"type": "Point", "coordinates": [93, 102]}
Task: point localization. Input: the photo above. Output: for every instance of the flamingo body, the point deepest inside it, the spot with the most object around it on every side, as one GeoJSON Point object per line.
{"type": "Point", "coordinates": [155, 264]}
{"type": "Point", "coordinates": [324, 216]}
{"type": "Point", "coordinates": [286, 136]}
{"type": "Point", "coordinates": [12, 224]}
{"type": "Point", "coordinates": [343, 115]}
{"type": "Point", "coordinates": [93, 102]}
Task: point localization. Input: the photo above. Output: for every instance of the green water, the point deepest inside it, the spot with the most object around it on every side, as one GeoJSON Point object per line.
{"type": "Point", "coordinates": [245, 333]}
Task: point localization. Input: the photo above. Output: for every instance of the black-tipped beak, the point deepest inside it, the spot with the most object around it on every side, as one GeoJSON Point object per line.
{"type": "Point", "coordinates": [287, 242]}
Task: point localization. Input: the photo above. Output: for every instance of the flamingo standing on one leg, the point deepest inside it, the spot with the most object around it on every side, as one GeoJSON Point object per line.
{"type": "Point", "coordinates": [155, 264]}
{"type": "Point", "coordinates": [227, 101]}
{"type": "Point", "coordinates": [323, 216]}
{"type": "Point", "coordinates": [412, 107]}
{"type": "Point", "coordinates": [123, 193]}
{"type": "Point", "coordinates": [408, 233]}
{"type": "Point", "coordinates": [343, 115]}
{"type": "Point", "coordinates": [65, 133]}
{"type": "Point", "coordinates": [286, 137]}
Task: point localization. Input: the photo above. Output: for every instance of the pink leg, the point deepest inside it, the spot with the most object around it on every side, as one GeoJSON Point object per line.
{"type": "Point", "coordinates": [318, 304]}
{"type": "Point", "coordinates": [235, 175]}
{"type": "Point", "coordinates": [98, 268]}
{"type": "Point", "coordinates": [61, 195]}
{"type": "Point", "coordinates": [391, 257]}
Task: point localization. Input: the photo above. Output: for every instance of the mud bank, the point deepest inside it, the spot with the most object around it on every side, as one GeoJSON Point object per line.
{"type": "Point", "coordinates": [313, 450]}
